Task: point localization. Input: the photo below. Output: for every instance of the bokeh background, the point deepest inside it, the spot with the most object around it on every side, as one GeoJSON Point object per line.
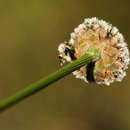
{"type": "Point", "coordinates": [30, 31]}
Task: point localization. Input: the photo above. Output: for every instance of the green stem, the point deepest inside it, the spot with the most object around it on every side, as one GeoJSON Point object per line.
{"type": "Point", "coordinates": [35, 87]}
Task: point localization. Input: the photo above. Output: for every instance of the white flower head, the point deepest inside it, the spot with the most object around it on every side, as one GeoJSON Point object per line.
{"type": "Point", "coordinates": [95, 33]}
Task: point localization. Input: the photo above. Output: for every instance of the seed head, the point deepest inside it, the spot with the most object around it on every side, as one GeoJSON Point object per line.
{"type": "Point", "coordinates": [114, 54]}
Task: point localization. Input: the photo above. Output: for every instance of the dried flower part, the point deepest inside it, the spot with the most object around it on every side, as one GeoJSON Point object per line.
{"type": "Point", "coordinates": [114, 54]}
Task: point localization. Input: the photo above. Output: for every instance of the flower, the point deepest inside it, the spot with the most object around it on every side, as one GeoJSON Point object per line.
{"type": "Point", "coordinates": [114, 55]}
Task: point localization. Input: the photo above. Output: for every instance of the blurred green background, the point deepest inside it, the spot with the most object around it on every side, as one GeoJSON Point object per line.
{"type": "Point", "coordinates": [30, 31]}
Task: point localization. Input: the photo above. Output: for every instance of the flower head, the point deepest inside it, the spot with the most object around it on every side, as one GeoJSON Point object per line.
{"type": "Point", "coordinates": [114, 54]}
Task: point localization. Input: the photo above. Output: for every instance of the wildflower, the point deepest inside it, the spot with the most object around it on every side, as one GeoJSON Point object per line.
{"type": "Point", "coordinates": [114, 54]}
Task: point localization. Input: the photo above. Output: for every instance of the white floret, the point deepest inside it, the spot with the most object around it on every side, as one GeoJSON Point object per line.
{"type": "Point", "coordinates": [114, 30]}
{"type": "Point", "coordinates": [61, 48]}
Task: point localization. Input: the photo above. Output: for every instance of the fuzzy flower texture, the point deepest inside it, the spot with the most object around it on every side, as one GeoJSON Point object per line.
{"type": "Point", "coordinates": [114, 55]}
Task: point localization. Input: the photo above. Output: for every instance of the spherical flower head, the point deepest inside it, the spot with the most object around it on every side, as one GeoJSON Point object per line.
{"type": "Point", "coordinates": [114, 54]}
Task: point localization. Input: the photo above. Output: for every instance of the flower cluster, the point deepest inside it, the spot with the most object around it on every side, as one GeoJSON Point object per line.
{"type": "Point", "coordinates": [114, 54]}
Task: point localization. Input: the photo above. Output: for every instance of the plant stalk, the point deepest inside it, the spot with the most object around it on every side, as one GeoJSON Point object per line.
{"type": "Point", "coordinates": [44, 82]}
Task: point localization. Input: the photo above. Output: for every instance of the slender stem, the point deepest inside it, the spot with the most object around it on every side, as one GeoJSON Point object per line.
{"type": "Point", "coordinates": [35, 87]}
